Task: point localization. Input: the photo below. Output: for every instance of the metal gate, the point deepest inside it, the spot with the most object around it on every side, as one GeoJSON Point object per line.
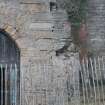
{"type": "Point", "coordinates": [9, 70]}
{"type": "Point", "coordinates": [8, 84]}
{"type": "Point", "coordinates": [92, 81]}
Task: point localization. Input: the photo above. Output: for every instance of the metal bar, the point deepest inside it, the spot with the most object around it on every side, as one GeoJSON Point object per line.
{"type": "Point", "coordinates": [83, 87]}
{"type": "Point", "coordinates": [103, 68]}
{"type": "Point", "coordinates": [1, 84]}
{"type": "Point", "coordinates": [95, 65]}
{"type": "Point", "coordinates": [11, 85]}
{"type": "Point", "coordinates": [0, 87]}
{"type": "Point", "coordinates": [87, 66]}
{"type": "Point", "coordinates": [3, 69]}
{"type": "Point", "coordinates": [15, 90]}
{"type": "Point", "coordinates": [6, 88]}
{"type": "Point", "coordinates": [100, 73]}
{"type": "Point", "coordinates": [93, 80]}
{"type": "Point", "coordinates": [85, 75]}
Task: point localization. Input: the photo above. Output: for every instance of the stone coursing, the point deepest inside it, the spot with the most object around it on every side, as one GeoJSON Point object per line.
{"type": "Point", "coordinates": [38, 33]}
{"type": "Point", "coordinates": [96, 25]}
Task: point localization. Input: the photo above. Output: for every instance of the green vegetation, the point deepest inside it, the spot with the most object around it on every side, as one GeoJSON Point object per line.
{"type": "Point", "coordinates": [76, 10]}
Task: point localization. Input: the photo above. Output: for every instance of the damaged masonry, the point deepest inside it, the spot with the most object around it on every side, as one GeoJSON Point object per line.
{"type": "Point", "coordinates": [52, 52]}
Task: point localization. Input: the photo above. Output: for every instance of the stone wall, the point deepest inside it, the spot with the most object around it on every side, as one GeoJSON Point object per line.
{"type": "Point", "coordinates": [38, 32]}
{"type": "Point", "coordinates": [96, 25]}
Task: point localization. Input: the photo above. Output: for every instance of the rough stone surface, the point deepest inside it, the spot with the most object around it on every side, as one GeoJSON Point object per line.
{"type": "Point", "coordinates": [96, 24]}
{"type": "Point", "coordinates": [38, 32]}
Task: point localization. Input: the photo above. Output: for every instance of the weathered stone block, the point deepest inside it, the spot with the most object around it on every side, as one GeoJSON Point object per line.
{"type": "Point", "coordinates": [35, 7]}
{"type": "Point", "coordinates": [10, 29]}
{"type": "Point", "coordinates": [40, 26]}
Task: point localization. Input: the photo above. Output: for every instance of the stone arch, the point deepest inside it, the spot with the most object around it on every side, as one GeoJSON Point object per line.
{"type": "Point", "coordinates": [9, 68]}
{"type": "Point", "coordinates": [9, 39]}
{"type": "Point", "coordinates": [12, 33]}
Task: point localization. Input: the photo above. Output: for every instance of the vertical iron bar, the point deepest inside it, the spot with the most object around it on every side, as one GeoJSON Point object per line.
{"type": "Point", "coordinates": [11, 85]}
{"type": "Point", "coordinates": [6, 89]}
{"type": "Point", "coordinates": [100, 75]}
{"type": "Point", "coordinates": [95, 64]}
{"type": "Point", "coordinates": [15, 90]}
{"type": "Point", "coordinates": [103, 68]}
{"type": "Point", "coordinates": [69, 87]}
{"type": "Point", "coordinates": [1, 84]}
{"type": "Point", "coordinates": [93, 79]}
{"type": "Point", "coordinates": [88, 71]}
{"type": "Point", "coordinates": [85, 75]}
{"type": "Point", "coordinates": [83, 88]}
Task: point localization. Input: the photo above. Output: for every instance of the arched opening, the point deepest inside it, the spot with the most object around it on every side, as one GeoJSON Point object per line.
{"type": "Point", "coordinates": [9, 70]}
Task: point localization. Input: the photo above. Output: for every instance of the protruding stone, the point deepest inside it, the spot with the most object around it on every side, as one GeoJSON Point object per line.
{"type": "Point", "coordinates": [35, 7]}
{"type": "Point", "coordinates": [10, 29]}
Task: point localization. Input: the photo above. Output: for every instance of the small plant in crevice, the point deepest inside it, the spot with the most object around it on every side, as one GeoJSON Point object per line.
{"type": "Point", "coordinates": [76, 11]}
